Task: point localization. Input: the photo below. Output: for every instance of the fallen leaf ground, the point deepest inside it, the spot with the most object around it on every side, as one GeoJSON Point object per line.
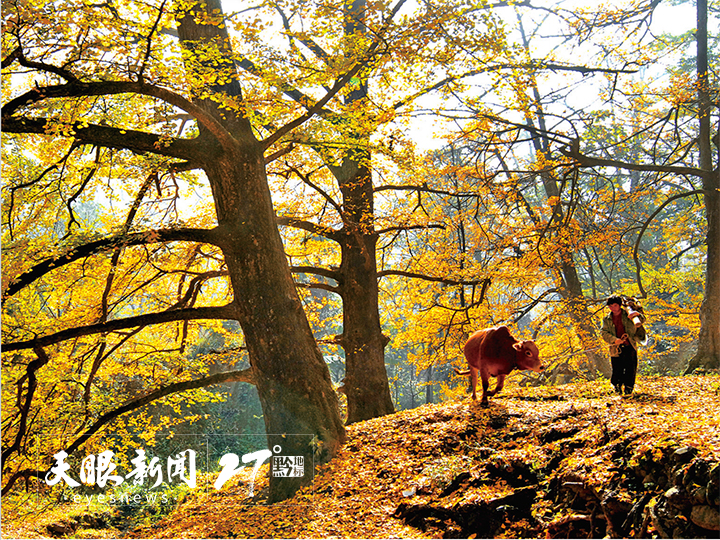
{"type": "Point", "coordinates": [456, 454]}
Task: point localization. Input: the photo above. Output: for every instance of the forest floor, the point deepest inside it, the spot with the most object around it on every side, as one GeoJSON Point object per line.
{"type": "Point", "coordinates": [546, 462]}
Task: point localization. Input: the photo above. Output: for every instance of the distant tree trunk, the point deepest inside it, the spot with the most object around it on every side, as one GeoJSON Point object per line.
{"type": "Point", "coordinates": [429, 387]}
{"type": "Point", "coordinates": [366, 381]}
{"type": "Point", "coordinates": [411, 386]}
{"type": "Point", "coordinates": [570, 286]}
{"type": "Point", "coordinates": [585, 324]}
{"type": "Point", "coordinates": [292, 379]}
{"type": "Point", "coordinates": [708, 354]}
{"type": "Point", "coordinates": [591, 272]}
{"type": "Point", "coordinates": [396, 383]}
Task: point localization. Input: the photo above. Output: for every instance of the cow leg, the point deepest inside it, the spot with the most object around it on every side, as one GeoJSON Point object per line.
{"type": "Point", "coordinates": [485, 385]}
{"type": "Point", "coordinates": [498, 386]}
{"type": "Point", "coordinates": [473, 381]}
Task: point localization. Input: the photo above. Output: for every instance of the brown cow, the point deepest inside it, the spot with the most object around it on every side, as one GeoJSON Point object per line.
{"type": "Point", "coordinates": [495, 353]}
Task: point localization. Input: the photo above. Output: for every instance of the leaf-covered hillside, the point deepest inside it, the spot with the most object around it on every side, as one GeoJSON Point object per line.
{"type": "Point", "coordinates": [569, 461]}
{"type": "Point", "coordinates": [572, 461]}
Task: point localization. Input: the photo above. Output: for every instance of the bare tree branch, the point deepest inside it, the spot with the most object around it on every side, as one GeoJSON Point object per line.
{"type": "Point", "coordinates": [424, 188]}
{"type": "Point", "coordinates": [587, 161]}
{"type": "Point", "coordinates": [534, 66]}
{"type": "Point", "coordinates": [411, 228]}
{"type": "Point", "coordinates": [647, 224]}
{"type": "Point", "coordinates": [437, 279]}
{"type": "Point", "coordinates": [207, 236]}
{"type": "Point", "coordinates": [309, 226]}
{"type": "Point", "coordinates": [227, 312]}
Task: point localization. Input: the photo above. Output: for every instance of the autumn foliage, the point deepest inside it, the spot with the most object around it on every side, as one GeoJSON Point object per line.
{"type": "Point", "coordinates": [552, 462]}
{"type": "Point", "coordinates": [288, 217]}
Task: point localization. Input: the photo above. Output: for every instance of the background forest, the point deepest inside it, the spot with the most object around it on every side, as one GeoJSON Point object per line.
{"type": "Point", "coordinates": [216, 214]}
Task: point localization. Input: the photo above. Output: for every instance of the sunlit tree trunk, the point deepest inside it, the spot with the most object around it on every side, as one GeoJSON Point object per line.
{"type": "Point", "coordinates": [366, 381]}
{"type": "Point", "coordinates": [429, 385]}
{"type": "Point", "coordinates": [585, 324]}
{"type": "Point", "coordinates": [708, 354]}
{"type": "Point", "coordinates": [570, 286]}
{"type": "Point", "coordinates": [292, 379]}
{"type": "Point", "coordinates": [570, 289]}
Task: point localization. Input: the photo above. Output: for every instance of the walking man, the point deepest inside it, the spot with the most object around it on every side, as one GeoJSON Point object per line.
{"type": "Point", "coordinates": [623, 331]}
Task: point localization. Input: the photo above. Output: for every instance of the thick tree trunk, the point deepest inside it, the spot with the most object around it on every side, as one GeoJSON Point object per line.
{"type": "Point", "coordinates": [429, 387]}
{"type": "Point", "coordinates": [293, 382]}
{"type": "Point", "coordinates": [366, 381]}
{"type": "Point", "coordinates": [708, 355]}
{"type": "Point", "coordinates": [292, 379]}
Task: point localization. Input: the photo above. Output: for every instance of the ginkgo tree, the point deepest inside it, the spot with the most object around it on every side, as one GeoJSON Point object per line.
{"type": "Point", "coordinates": [679, 148]}
{"type": "Point", "coordinates": [433, 55]}
{"type": "Point", "coordinates": [357, 142]}
{"type": "Point", "coordinates": [578, 212]}
{"type": "Point", "coordinates": [68, 83]}
{"type": "Point", "coordinates": [186, 95]}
